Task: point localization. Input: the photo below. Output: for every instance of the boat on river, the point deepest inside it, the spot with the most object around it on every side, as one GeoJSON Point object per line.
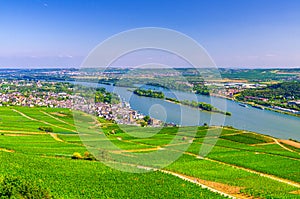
{"type": "Point", "coordinates": [243, 105]}
{"type": "Point", "coordinates": [258, 107]}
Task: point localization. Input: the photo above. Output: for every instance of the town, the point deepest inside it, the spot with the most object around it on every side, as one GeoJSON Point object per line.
{"type": "Point", "coordinates": [38, 94]}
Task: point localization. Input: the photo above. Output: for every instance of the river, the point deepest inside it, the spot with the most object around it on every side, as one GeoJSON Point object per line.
{"type": "Point", "coordinates": [252, 119]}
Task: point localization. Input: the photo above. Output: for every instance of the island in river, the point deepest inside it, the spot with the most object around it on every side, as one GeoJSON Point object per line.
{"type": "Point", "coordinates": [199, 105]}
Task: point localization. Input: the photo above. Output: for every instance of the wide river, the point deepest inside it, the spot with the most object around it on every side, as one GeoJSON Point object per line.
{"type": "Point", "coordinates": [252, 119]}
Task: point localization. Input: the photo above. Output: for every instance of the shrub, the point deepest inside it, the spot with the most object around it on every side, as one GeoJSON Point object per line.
{"type": "Point", "coordinates": [76, 155]}
{"type": "Point", "coordinates": [228, 113]}
{"type": "Point", "coordinates": [13, 187]}
{"type": "Point", "coordinates": [88, 156]}
{"type": "Point", "coordinates": [46, 129]}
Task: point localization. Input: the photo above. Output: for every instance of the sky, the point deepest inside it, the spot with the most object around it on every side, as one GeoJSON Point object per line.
{"type": "Point", "coordinates": [235, 33]}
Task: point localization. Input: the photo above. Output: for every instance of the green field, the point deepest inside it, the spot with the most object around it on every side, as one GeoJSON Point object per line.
{"type": "Point", "coordinates": [240, 164]}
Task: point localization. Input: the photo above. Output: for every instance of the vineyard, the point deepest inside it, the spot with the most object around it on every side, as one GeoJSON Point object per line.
{"type": "Point", "coordinates": [239, 164]}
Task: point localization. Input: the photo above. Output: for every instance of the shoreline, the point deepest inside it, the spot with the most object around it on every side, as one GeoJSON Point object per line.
{"type": "Point", "coordinates": [266, 108]}
{"type": "Point", "coordinates": [257, 105]}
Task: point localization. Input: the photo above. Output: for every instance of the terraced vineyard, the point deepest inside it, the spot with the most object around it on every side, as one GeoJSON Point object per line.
{"type": "Point", "coordinates": [240, 165]}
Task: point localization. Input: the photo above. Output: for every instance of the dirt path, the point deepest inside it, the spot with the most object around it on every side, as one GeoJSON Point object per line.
{"type": "Point", "coordinates": [286, 148]}
{"type": "Point", "coordinates": [26, 116]}
{"type": "Point", "coordinates": [278, 179]}
{"type": "Point", "coordinates": [277, 142]}
{"type": "Point", "coordinates": [197, 182]}
{"type": "Point", "coordinates": [263, 144]}
{"type": "Point", "coordinates": [291, 143]}
{"type": "Point", "coordinates": [21, 132]}
{"type": "Point", "coordinates": [55, 137]}
{"type": "Point", "coordinates": [138, 143]}
{"type": "Point", "coordinates": [47, 123]}
{"type": "Point", "coordinates": [237, 133]}
{"type": "Point", "coordinates": [7, 150]}
{"type": "Point", "coordinates": [141, 150]}
{"type": "Point", "coordinates": [16, 135]}
{"type": "Point", "coordinates": [179, 143]}
{"type": "Point", "coordinates": [57, 119]}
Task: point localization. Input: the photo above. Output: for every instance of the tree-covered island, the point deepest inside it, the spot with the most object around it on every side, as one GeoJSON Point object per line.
{"type": "Point", "coordinates": [199, 105]}
{"type": "Point", "coordinates": [149, 93]}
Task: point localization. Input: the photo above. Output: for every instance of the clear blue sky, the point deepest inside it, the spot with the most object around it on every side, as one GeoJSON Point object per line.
{"type": "Point", "coordinates": [236, 33]}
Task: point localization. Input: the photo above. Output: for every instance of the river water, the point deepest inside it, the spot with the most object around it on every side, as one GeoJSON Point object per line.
{"type": "Point", "coordinates": [252, 119]}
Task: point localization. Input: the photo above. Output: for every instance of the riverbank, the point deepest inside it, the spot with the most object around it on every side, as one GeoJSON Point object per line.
{"type": "Point", "coordinates": [254, 105]}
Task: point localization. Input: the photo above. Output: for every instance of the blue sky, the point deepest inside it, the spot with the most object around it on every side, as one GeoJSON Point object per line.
{"type": "Point", "coordinates": [236, 33]}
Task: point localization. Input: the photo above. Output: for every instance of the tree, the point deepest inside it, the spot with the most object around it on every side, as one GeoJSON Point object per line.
{"type": "Point", "coordinates": [147, 118]}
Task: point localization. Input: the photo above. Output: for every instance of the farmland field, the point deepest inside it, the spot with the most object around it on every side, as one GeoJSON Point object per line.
{"type": "Point", "coordinates": [241, 164]}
